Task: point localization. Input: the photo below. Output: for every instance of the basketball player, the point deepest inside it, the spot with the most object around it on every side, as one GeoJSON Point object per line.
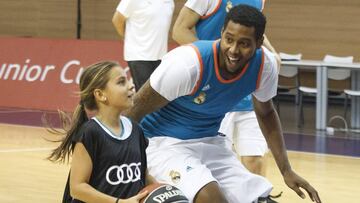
{"type": "Point", "coordinates": [182, 104]}
{"type": "Point", "coordinates": [240, 125]}
{"type": "Point", "coordinates": [108, 151]}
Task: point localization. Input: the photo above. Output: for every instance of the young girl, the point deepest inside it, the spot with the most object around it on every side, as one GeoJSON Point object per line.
{"type": "Point", "coordinates": [108, 151]}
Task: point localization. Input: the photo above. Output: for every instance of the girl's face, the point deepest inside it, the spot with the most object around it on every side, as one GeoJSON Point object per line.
{"type": "Point", "coordinates": [119, 90]}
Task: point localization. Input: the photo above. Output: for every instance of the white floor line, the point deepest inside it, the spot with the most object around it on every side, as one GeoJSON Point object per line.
{"type": "Point", "coordinates": [25, 150]}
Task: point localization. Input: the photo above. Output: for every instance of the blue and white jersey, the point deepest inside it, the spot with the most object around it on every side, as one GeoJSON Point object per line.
{"type": "Point", "coordinates": [199, 113]}
{"type": "Point", "coordinates": [213, 13]}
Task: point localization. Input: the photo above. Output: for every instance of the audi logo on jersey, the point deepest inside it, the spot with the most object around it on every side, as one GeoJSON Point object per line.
{"type": "Point", "coordinates": [125, 173]}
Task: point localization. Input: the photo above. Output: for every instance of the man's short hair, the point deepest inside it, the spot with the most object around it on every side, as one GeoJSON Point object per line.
{"type": "Point", "coordinates": [248, 16]}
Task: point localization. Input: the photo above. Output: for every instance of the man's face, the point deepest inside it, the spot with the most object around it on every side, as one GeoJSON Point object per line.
{"type": "Point", "coordinates": [238, 45]}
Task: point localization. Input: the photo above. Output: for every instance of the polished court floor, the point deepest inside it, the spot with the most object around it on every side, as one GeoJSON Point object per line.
{"type": "Point", "coordinates": [330, 162]}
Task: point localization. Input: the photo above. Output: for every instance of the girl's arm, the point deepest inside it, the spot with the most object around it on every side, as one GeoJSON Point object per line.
{"type": "Point", "coordinates": [81, 169]}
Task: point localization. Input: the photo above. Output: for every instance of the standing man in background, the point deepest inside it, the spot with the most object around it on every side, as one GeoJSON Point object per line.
{"type": "Point", "coordinates": [240, 125]}
{"type": "Point", "coordinates": [144, 25]}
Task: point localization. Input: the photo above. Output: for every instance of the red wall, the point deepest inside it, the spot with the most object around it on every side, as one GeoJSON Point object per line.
{"type": "Point", "coordinates": [42, 73]}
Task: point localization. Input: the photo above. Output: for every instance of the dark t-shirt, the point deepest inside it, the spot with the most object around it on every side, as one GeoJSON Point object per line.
{"type": "Point", "coordinates": [119, 164]}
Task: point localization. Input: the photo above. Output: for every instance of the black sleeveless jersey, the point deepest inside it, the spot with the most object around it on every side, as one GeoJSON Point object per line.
{"type": "Point", "coordinates": [119, 162]}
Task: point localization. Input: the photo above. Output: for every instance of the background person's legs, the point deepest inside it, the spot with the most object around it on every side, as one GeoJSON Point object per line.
{"type": "Point", "coordinates": [255, 164]}
{"type": "Point", "coordinates": [249, 143]}
{"type": "Point", "coordinates": [247, 140]}
{"type": "Point", "coordinates": [141, 71]}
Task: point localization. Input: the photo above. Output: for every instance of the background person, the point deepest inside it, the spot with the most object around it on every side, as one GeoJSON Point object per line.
{"type": "Point", "coordinates": [144, 25]}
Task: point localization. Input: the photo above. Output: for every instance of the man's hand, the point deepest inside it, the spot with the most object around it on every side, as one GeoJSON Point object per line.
{"type": "Point", "coordinates": [295, 182]}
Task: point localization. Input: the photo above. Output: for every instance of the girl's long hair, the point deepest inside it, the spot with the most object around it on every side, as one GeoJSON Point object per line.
{"type": "Point", "coordinates": [94, 77]}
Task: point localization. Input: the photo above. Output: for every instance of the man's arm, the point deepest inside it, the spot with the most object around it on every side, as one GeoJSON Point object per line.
{"type": "Point", "coordinates": [119, 22]}
{"type": "Point", "coordinates": [271, 128]}
{"type": "Point", "coordinates": [146, 100]}
{"type": "Point", "coordinates": [183, 32]}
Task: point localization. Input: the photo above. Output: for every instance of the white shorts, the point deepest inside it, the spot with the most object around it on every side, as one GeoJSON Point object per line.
{"type": "Point", "coordinates": [243, 130]}
{"type": "Point", "coordinates": [191, 164]}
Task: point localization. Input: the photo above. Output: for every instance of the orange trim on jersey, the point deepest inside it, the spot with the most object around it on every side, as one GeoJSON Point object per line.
{"type": "Point", "coordinates": [214, 11]}
{"type": "Point", "coordinates": [217, 68]}
{"type": "Point", "coordinates": [261, 69]}
{"type": "Point", "coordinates": [201, 69]}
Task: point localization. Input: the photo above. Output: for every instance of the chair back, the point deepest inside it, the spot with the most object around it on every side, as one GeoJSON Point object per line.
{"type": "Point", "coordinates": [338, 74]}
{"type": "Point", "coordinates": [289, 71]}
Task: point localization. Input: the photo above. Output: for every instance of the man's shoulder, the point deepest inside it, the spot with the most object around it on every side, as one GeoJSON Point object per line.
{"type": "Point", "coordinates": [269, 57]}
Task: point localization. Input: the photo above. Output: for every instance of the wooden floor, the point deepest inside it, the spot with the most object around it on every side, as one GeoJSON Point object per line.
{"type": "Point", "coordinates": [26, 177]}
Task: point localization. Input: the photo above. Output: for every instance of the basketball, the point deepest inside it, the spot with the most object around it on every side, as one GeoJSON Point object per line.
{"type": "Point", "coordinates": [163, 193]}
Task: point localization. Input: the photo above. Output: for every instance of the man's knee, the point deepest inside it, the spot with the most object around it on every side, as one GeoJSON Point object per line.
{"type": "Point", "coordinates": [210, 193]}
